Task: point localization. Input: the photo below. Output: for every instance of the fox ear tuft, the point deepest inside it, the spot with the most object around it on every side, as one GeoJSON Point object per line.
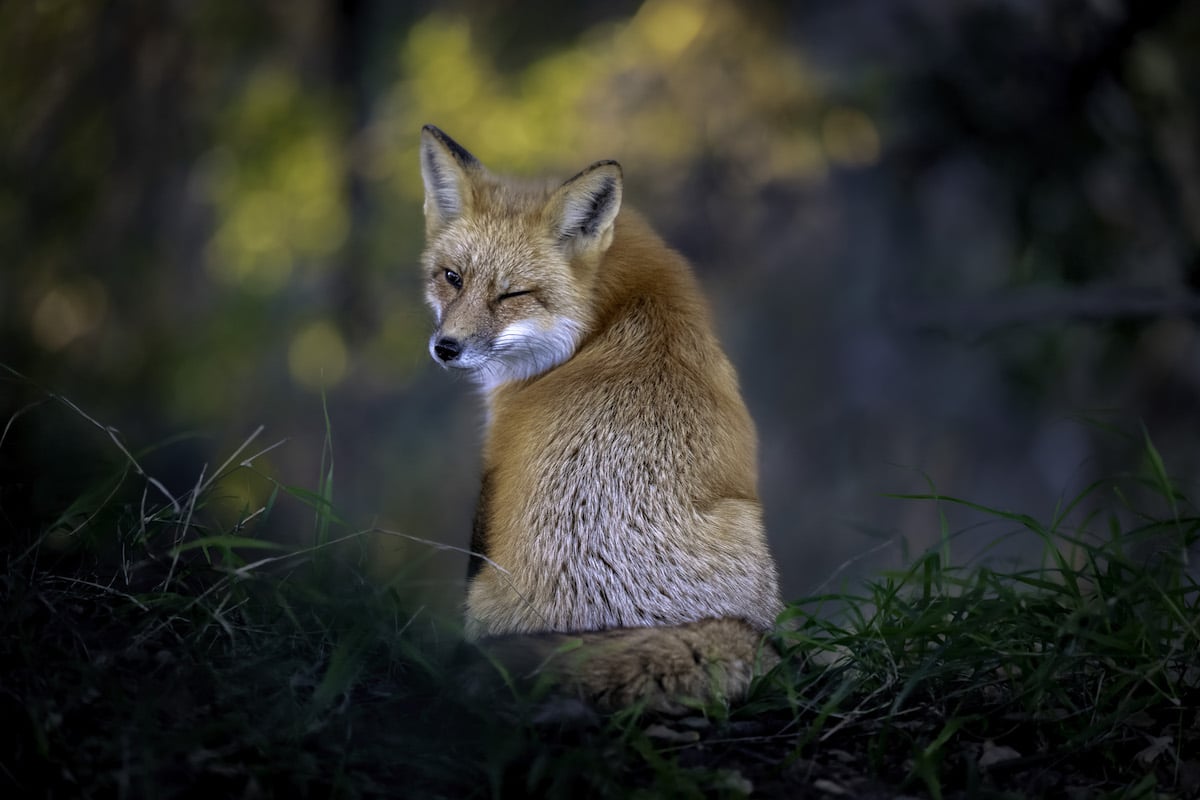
{"type": "Point", "coordinates": [445, 167]}
{"type": "Point", "coordinates": [586, 206]}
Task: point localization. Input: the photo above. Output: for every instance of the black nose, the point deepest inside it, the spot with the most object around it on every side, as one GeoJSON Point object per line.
{"type": "Point", "coordinates": [447, 349]}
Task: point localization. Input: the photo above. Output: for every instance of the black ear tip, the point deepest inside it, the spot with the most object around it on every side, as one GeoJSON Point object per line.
{"type": "Point", "coordinates": [457, 150]}
{"type": "Point", "coordinates": [608, 164]}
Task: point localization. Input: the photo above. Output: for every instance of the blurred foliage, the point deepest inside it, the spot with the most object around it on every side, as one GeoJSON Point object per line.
{"type": "Point", "coordinates": [642, 87]}
{"type": "Point", "coordinates": [209, 215]}
{"type": "Point", "coordinates": [275, 184]}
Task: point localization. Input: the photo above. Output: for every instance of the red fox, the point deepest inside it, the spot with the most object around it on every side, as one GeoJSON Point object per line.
{"type": "Point", "coordinates": [619, 501]}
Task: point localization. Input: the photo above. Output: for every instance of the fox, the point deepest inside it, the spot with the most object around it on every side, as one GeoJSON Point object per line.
{"type": "Point", "coordinates": [618, 543]}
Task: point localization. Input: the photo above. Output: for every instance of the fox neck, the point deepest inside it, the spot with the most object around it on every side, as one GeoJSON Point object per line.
{"type": "Point", "coordinates": [631, 270]}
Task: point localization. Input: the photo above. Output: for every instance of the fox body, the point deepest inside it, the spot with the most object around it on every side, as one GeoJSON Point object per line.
{"type": "Point", "coordinates": [619, 489]}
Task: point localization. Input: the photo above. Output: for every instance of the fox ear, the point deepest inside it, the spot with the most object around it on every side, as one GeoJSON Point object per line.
{"type": "Point", "coordinates": [585, 207]}
{"type": "Point", "coordinates": [445, 167]}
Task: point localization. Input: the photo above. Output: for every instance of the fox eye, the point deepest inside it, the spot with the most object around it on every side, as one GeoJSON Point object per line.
{"type": "Point", "coordinates": [453, 278]}
{"type": "Point", "coordinates": [508, 295]}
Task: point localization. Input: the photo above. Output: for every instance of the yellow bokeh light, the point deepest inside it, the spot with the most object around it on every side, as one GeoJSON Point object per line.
{"type": "Point", "coordinates": [241, 494]}
{"type": "Point", "coordinates": [270, 94]}
{"type": "Point", "coordinates": [317, 356]}
{"type": "Point", "coordinates": [669, 26]}
{"type": "Point", "coordinates": [67, 311]}
{"type": "Point", "coordinates": [850, 137]}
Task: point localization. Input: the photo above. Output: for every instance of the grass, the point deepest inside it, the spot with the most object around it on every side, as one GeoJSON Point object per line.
{"type": "Point", "coordinates": [150, 649]}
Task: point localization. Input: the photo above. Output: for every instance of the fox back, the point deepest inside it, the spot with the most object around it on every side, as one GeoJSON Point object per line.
{"type": "Point", "coordinates": [620, 477]}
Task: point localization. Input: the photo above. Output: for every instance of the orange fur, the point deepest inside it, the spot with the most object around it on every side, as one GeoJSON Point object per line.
{"type": "Point", "coordinates": [620, 476]}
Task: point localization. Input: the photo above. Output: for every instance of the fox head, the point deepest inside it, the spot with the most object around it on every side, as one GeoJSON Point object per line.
{"type": "Point", "coordinates": [509, 265]}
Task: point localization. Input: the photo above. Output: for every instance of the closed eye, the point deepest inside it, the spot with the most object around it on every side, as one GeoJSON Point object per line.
{"type": "Point", "coordinates": [509, 295]}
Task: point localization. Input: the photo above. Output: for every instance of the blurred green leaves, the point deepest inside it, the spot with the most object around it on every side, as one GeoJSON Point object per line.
{"type": "Point", "coordinates": [204, 186]}
{"type": "Point", "coordinates": [276, 184]}
{"type": "Point", "coordinates": [658, 90]}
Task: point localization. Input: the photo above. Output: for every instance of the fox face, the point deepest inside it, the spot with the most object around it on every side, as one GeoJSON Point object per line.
{"type": "Point", "coordinates": [508, 265]}
{"type": "Point", "coordinates": [503, 306]}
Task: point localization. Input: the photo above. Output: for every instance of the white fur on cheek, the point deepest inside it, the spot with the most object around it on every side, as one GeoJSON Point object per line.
{"type": "Point", "coordinates": [524, 349]}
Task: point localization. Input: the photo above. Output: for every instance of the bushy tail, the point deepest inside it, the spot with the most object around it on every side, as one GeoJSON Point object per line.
{"type": "Point", "coordinates": [660, 667]}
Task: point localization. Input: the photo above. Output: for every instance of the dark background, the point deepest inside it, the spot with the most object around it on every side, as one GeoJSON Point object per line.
{"type": "Point", "coordinates": [949, 244]}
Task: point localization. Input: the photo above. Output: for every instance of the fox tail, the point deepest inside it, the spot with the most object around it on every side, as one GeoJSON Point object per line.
{"type": "Point", "coordinates": [661, 668]}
